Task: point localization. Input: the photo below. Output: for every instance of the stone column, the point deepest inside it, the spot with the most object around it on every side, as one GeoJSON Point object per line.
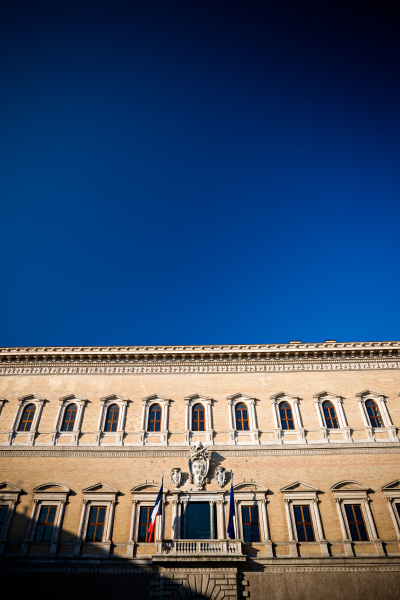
{"type": "Point", "coordinates": [107, 537]}
{"type": "Point", "coordinates": [348, 548]}
{"type": "Point", "coordinates": [79, 540]}
{"type": "Point", "coordinates": [187, 422]}
{"type": "Point", "coordinates": [265, 535]}
{"type": "Point", "coordinates": [378, 543]}
{"type": "Point", "coordinates": [292, 541]}
{"type": "Point", "coordinates": [130, 546]}
{"type": "Point", "coordinates": [221, 520]}
{"type": "Point", "coordinates": [392, 509]}
{"type": "Point", "coordinates": [321, 538]}
{"type": "Point", "coordinates": [56, 528]}
{"type": "Point", "coordinates": [176, 520]}
{"type": "Point", "coordinates": [212, 519]}
{"type": "Point", "coordinates": [32, 523]}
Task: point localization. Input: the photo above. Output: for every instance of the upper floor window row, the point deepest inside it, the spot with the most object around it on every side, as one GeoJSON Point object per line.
{"type": "Point", "coordinates": [199, 416]}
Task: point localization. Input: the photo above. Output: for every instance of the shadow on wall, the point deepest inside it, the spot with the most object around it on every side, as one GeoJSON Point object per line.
{"type": "Point", "coordinates": [64, 577]}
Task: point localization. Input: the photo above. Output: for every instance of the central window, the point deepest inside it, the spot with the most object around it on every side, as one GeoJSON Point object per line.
{"type": "Point", "coordinates": [198, 421]}
{"type": "Point", "coordinates": [242, 417]}
{"type": "Point", "coordinates": [155, 418]}
{"type": "Point", "coordinates": [197, 521]}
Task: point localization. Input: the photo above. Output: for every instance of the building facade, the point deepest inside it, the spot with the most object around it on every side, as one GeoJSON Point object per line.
{"type": "Point", "coordinates": [306, 435]}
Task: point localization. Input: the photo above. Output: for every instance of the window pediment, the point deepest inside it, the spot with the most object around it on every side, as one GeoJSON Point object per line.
{"type": "Point", "coordinates": [299, 486]}
{"type": "Point", "coordinates": [365, 393]}
{"type": "Point", "coordinates": [349, 486]}
{"type": "Point", "coordinates": [145, 487]}
{"type": "Point", "coordinates": [6, 487]}
{"type": "Point", "coordinates": [326, 395]}
{"type": "Point", "coordinates": [52, 487]}
{"type": "Point", "coordinates": [249, 486]}
{"type": "Point", "coordinates": [393, 486]}
{"type": "Point", "coordinates": [100, 488]}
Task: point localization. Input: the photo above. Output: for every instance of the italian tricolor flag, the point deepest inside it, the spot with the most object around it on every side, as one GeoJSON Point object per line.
{"type": "Point", "coordinates": [157, 510]}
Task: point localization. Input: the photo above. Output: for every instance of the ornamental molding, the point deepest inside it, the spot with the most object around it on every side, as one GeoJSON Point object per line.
{"type": "Point", "coordinates": [242, 367]}
{"type": "Point", "coordinates": [294, 356]}
{"type": "Point", "coordinates": [123, 452]}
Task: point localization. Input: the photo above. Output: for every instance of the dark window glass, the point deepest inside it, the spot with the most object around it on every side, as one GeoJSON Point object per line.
{"type": "Point", "coordinates": [198, 423]}
{"type": "Point", "coordinates": [27, 418]}
{"type": "Point", "coordinates": [45, 523]}
{"type": "Point", "coordinates": [197, 521]}
{"type": "Point", "coordinates": [242, 419]}
{"type": "Point", "coordinates": [285, 412]}
{"type": "Point", "coordinates": [112, 418]}
{"type": "Point", "coordinates": [331, 419]}
{"type": "Point", "coordinates": [69, 418]}
{"type": "Point", "coordinates": [398, 508]}
{"type": "Point", "coordinates": [144, 522]}
{"type": "Point", "coordinates": [356, 523]}
{"type": "Point", "coordinates": [97, 517]}
{"type": "Point", "coordinates": [304, 527]}
{"type": "Point", "coordinates": [155, 418]}
{"type": "Point", "coordinates": [374, 414]}
{"type": "Point", "coordinates": [3, 514]}
{"type": "Point", "coordinates": [251, 527]}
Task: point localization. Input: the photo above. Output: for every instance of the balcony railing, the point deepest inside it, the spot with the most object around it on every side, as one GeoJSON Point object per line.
{"type": "Point", "coordinates": [191, 549]}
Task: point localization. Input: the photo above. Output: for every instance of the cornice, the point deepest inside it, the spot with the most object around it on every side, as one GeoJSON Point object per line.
{"type": "Point", "coordinates": [326, 356]}
{"type": "Point", "coordinates": [182, 451]}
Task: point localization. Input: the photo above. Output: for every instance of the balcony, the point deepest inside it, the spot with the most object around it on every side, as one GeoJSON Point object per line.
{"type": "Point", "coordinates": [199, 550]}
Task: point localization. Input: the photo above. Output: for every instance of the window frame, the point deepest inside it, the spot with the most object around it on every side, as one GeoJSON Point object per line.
{"type": "Point", "coordinates": [303, 494]}
{"type": "Point", "coordinates": [154, 425]}
{"type": "Point", "coordinates": [198, 421]}
{"type": "Point", "coordinates": [380, 401]}
{"type": "Point", "coordinates": [57, 435]}
{"type": "Point", "coordinates": [280, 433]}
{"type": "Point", "coordinates": [253, 494]}
{"type": "Point", "coordinates": [9, 496]}
{"type": "Point", "coordinates": [46, 494]}
{"type": "Point", "coordinates": [115, 438]}
{"type": "Point", "coordinates": [337, 402]}
{"type": "Point", "coordinates": [253, 432]}
{"type": "Point", "coordinates": [391, 492]}
{"type": "Point", "coordinates": [208, 433]}
{"type": "Point", "coordinates": [14, 433]}
{"type": "Point", "coordinates": [352, 492]}
{"type": "Point", "coordinates": [98, 495]}
{"type": "Point", "coordinates": [147, 437]}
{"type": "Point", "coordinates": [144, 496]}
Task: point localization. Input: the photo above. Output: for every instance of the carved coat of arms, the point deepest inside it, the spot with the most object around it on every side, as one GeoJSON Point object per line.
{"type": "Point", "coordinates": [176, 476]}
{"type": "Point", "coordinates": [220, 476]}
{"type": "Point", "coordinates": [199, 463]}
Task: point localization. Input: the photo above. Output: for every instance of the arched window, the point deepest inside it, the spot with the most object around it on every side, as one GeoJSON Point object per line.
{"type": "Point", "coordinates": [69, 418]}
{"type": "Point", "coordinates": [155, 418]}
{"type": "Point", "coordinates": [331, 419]}
{"type": "Point", "coordinates": [242, 417]}
{"type": "Point", "coordinates": [373, 413]}
{"type": "Point", "coordinates": [198, 418]}
{"type": "Point", "coordinates": [112, 418]}
{"type": "Point", "coordinates": [27, 418]}
{"type": "Point", "coordinates": [285, 412]}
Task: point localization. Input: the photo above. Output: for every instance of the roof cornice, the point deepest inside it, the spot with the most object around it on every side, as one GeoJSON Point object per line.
{"type": "Point", "coordinates": [328, 355]}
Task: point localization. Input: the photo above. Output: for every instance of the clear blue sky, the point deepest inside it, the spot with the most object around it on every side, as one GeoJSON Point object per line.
{"type": "Point", "coordinates": [198, 172]}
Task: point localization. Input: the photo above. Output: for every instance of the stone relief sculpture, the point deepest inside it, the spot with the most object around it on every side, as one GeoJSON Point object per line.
{"type": "Point", "coordinates": [220, 476]}
{"type": "Point", "coordinates": [176, 476]}
{"type": "Point", "coordinates": [199, 463]}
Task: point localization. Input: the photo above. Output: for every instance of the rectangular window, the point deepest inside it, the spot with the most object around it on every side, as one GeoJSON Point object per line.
{"type": "Point", "coordinates": [251, 526]}
{"type": "Point", "coordinates": [97, 517]}
{"type": "Point", "coordinates": [3, 515]}
{"type": "Point", "coordinates": [356, 523]}
{"type": "Point", "coordinates": [304, 527]}
{"type": "Point", "coordinates": [144, 522]}
{"type": "Point", "coordinates": [45, 524]}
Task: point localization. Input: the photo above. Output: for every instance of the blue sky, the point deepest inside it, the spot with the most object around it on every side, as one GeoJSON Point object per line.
{"type": "Point", "coordinates": [198, 172]}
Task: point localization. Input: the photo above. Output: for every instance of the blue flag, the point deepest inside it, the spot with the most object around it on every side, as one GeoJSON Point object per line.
{"type": "Point", "coordinates": [231, 524]}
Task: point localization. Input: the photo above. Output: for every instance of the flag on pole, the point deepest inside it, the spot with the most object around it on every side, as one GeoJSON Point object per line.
{"type": "Point", "coordinates": [157, 510]}
{"type": "Point", "coordinates": [231, 523]}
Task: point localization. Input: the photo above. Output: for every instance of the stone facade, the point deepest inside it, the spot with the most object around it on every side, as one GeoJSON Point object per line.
{"type": "Point", "coordinates": [289, 426]}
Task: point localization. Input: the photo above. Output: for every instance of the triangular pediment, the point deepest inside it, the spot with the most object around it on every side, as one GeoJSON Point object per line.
{"type": "Point", "coordinates": [100, 487]}
{"type": "Point", "coordinates": [51, 487]}
{"type": "Point", "coordinates": [369, 393]}
{"type": "Point", "coordinates": [69, 397]}
{"type": "Point", "coordinates": [349, 486]}
{"type": "Point", "coordinates": [199, 397]}
{"type": "Point", "coordinates": [327, 394]}
{"type": "Point", "coordinates": [239, 396]}
{"type": "Point", "coordinates": [112, 397]}
{"type": "Point", "coordinates": [250, 486]}
{"type": "Point", "coordinates": [282, 395]}
{"type": "Point", "coordinates": [32, 397]}
{"type": "Point", "coordinates": [8, 487]}
{"type": "Point", "coordinates": [154, 397]}
{"type": "Point", "coordinates": [299, 486]}
{"type": "Point", "coordinates": [393, 486]}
